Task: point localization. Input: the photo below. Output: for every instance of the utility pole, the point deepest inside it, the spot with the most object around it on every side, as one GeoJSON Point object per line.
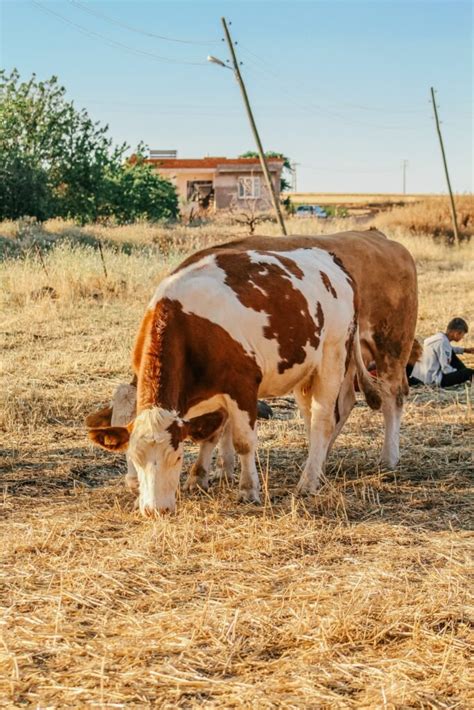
{"type": "Point", "coordinates": [294, 181]}
{"type": "Point", "coordinates": [404, 167]}
{"type": "Point", "coordinates": [453, 206]}
{"type": "Point", "coordinates": [261, 153]}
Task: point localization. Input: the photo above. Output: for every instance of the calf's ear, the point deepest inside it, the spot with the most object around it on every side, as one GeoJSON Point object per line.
{"type": "Point", "coordinates": [100, 419]}
{"type": "Point", "coordinates": [113, 438]}
{"type": "Point", "coordinates": [203, 427]}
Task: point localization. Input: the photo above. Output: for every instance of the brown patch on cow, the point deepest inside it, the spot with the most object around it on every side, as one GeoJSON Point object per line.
{"type": "Point", "coordinates": [289, 264]}
{"type": "Point", "coordinates": [341, 265]}
{"type": "Point", "coordinates": [386, 341]}
{"type": "Point", "coordinates": [327, 282]}
{"type": "Point", "coordinates": [399, 397]}
{"type": "Point", "coordinates": [188, 359]}
{"type": "Point", "coordinates": [140, 342]}
{"type": "Point", "coordinates": [319, 319]}
{"type": "Point", "coordinates": [176, 432]}
{"type": "Point", "coordinates": [204, 427]}
{"type": "Point", "coordinates": [266, 288]}
{"type": "Point", "coordinates": [241, 447]}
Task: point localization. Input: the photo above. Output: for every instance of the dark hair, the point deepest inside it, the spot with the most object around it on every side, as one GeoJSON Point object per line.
{"type": "Point", "coordinates": [458, 324]}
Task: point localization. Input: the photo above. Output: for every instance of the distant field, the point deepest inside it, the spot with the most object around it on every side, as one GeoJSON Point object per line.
{"type": "Point", "coordinates": [357, 198]}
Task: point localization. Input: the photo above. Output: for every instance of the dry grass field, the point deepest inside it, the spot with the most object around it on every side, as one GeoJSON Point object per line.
{"type": "Point", "coordinates": [416, 214]}
{"type": "Point", "coordinates": [358, 598]}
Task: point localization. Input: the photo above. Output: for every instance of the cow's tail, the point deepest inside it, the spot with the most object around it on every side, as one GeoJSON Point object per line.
{"type": "Point", "coordinates": [415, 353]}
{"type": "Point", "coordinates": [368, 385]}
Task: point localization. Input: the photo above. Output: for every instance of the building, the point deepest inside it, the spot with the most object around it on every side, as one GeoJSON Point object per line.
{"type": "Point", "coordinates": [218, 183]}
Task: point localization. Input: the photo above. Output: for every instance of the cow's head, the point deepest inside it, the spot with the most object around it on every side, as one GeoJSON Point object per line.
{"type": "Point", "coordinates": [154, 443]}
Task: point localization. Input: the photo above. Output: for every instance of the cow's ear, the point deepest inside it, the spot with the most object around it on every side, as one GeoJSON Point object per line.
{"type": "Point", "coordinates": [100, 419]}
{"type": "Point", "coordinates": [203, 427]}
{"type": "Point", "coordinates": [113, 438]}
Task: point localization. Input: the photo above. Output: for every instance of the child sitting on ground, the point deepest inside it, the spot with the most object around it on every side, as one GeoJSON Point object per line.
{"type": "Point", "coordinates": [439, 364]}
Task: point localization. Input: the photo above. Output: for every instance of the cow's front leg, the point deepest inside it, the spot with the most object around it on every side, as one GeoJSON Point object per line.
{"type": "Point", "coordinates": [131, 477]}
{"type": "Point", "coordinates": [198, 478]}
{"type": "Point", "coordinates": [244, 435]}
{"type": "Point", "coordinates": [227, 453]}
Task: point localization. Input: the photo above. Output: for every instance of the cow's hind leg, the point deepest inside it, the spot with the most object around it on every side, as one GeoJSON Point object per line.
{"type": "Point", "coordinates": [394, 389]}
{"type": "Point", "coordinates": [327, 385]}
{"type": "Point", "coordinates": [303, 395]}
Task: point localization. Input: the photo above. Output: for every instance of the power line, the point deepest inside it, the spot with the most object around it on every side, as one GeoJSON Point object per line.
{"type": "Point", "coordinates": [112, 20]}
{"type": "Point", "coordinates": [318, 109]}
{"type": "Point", "coordinates": [353, 169]}
{"type": "Point", "coordinates": [112, 42]}
{"type": "Point", "coordinates": [265, 68]}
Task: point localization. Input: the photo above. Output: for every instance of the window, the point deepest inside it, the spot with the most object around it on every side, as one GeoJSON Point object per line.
{"type": "Point", "coordinates": [249, 188]}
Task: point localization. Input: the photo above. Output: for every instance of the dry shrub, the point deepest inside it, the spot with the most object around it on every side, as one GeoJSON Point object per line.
{"type": "Point", "coordinates": [431, 216]}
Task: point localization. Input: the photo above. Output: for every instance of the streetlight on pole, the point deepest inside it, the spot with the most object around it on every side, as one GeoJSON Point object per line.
{"type": "Point", "coordinates": [263, 160]}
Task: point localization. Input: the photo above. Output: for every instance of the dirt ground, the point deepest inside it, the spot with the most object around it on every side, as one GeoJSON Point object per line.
{"type": "Point", "coordinates": [359, 597]}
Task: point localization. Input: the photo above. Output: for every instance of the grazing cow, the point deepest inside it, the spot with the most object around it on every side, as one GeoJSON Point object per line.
{"type": "Point", "coordinates": [264, 317]}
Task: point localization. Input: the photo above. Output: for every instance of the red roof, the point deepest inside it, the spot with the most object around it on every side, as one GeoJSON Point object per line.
{"type": "Point", "coordinates": [206, 162]}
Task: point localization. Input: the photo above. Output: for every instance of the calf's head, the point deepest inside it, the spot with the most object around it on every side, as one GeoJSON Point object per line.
{"type": "Point", "coordinates": [154, 444]}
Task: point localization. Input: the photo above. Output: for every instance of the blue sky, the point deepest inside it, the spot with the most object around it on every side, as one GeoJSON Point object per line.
{"type": "Point", "coordinates": [341, 87]}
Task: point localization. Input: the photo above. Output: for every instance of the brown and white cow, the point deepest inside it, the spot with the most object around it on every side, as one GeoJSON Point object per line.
{"type": "Point", "coordinates": [261, 317]}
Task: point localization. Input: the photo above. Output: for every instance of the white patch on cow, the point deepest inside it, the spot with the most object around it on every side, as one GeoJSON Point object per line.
{"type": "Point", "coordinates": [206, 406]}
{"type": "Point", "coordinates": [157, 463]}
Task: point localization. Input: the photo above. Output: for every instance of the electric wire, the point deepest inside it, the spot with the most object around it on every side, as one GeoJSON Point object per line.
{"type": "Point", "coordinates": [112, 42]}
{"type": "Point", "coordinates": [119, 23]}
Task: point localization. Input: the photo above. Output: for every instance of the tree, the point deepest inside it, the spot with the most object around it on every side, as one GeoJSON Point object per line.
{"type": "Point", "coordinates": [284, 183]}
{"type": "Point", "coordinates": [57, 162]}
{"type": "Point", "coordinates": [138, 192]}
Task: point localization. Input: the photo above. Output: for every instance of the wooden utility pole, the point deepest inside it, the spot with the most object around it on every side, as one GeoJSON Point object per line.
{"type": "Point", "coordinates": [404, 166]}
{"type": "Point", "coordinates": [263, 160]}
{"type": "Point", "coordinates": [453, 206]}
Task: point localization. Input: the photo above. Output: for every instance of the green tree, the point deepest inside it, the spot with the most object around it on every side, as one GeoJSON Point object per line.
{"type": "Point", "coordinates": [136, 191]}
{"type": "Point", "coordinates": [284, 182]}
{"type": "Point", "coordinates": [56, 161]}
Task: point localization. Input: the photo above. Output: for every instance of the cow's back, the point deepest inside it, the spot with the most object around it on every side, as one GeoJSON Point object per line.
{"type": "Point", "coordinates": [384, 273]}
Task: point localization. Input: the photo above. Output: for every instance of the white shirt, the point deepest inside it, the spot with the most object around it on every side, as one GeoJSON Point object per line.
{"type": "Point", "coordinates": [436, 358]}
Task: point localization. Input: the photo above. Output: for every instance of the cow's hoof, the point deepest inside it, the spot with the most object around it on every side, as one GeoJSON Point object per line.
{"type": "Point", "coordinates": [248, 496]}
{"type": "Point", "coordinates": [224, 479]}
{"type": "Point", "coordinates": [264, 411]}
{"type": "Point", "coordinates": [389, 464]}
{"type": "Point", "coordinates": [194, 485]}
{"type": "Point", "coordinates": [307, 488]}
{"type": "Point", "coordinates": [132, 484]}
